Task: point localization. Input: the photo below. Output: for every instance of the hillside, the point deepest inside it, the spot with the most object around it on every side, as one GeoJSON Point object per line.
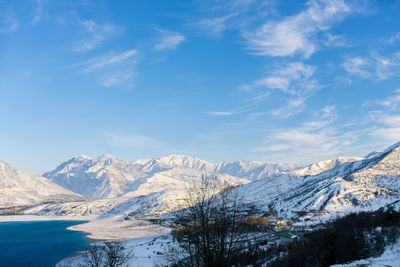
{"type": "Point", "coordinates": [366, 184]}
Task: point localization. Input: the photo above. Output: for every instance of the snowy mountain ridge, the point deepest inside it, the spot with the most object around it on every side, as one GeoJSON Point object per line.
{"type": "Point", "coordinates": [21, 188]}
{"type": "Point", "coordinates": [108, 176]}
{"type": "Point", "coordinates": [365, 184]}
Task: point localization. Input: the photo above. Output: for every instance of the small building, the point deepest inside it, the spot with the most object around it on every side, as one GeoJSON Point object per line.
{"type": "Point", "coordinates": [287, 237]}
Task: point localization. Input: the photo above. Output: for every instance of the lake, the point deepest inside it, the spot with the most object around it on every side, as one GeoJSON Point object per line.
{"type": "Point", "coordinates": [40, 243]}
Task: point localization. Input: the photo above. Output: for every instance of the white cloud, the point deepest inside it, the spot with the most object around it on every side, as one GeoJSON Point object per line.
{"type": "Point", "coordinates": [387, 67]}
{"type": "Point", "coordinates": [286, 77]}
{"type": "Point", "coordinates": [357, 66]}
{"type": "Point", "coordinates": [296, 34]}
{"type": "Point", "coordinates": [117, 79]}
{"type": "Point", "coordinates": [168, 40]}
{"type": "Point", "coordinates": [245, 108]}
{"type": "Point", "coordinates": [221, 113]}
{"type": "Point", "coordinates": [296, 80]}
{"type": "Point", "coordinates": [389, 127]}
{"type": "Point", "coordinates": [109, 59]}
{"type": "Point", "coordinates": [393, 39]}
{"type": "Point", "coordinates": [38, 13]}
{"type": "Point", "coordinates": [112, 69]}
{"type": "Point", "coordinates": [95, 34]}
{"type": "Point", "coordinates": [374, 66]}
{"type": "Point", "coordinates": [223, 15]}
{"type": "Point", "coordinates": [215, 26]}
{"type": "Point", "coordinates": [136, 141]}
{"type": "Point", "coordinates": [293, 79]}
{"type": "Point", "coordinates": [312, 140]}
{"type": "Point", "coordinates": [8, 23]}
{"type": "Point", "coordinates": [334, 40]}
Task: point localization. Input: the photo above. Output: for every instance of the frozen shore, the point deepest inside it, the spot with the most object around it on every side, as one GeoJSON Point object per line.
{"type": "Point", "coordinates": [117, 228]}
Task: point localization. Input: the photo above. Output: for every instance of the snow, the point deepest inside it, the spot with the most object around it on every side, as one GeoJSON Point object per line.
{"type": "Point", "coordinates": [351, 185]}
{"type": "Point", "coordinates": [148, 252]}
{"type": "Point", "coordinates": [20, 188]}
{"type": "Point", "coordinates": [118, 228]}
{"type": "Point", "coordinates": [108, 176]}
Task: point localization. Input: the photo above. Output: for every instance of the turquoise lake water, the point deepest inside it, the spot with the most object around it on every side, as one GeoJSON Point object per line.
{"type": "Point", "coordinates": [40, 244]}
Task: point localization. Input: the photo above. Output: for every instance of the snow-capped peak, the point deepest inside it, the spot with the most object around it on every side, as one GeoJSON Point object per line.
{"type": "Point", "coordinates": [182, 161]}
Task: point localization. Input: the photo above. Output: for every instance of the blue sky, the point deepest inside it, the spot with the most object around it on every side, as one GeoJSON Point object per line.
{"type": "Point", "coordinates": [285, 81]}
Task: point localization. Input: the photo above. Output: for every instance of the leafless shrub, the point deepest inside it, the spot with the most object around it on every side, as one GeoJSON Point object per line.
{"type": "Point", "coordinates": [111, 254]}
{"type": "Point", "coordinates": [93, 257]}
{"type": "Point", "coordinates": [116, 254]}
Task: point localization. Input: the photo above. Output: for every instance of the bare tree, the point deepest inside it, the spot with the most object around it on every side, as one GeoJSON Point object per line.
{"type": "Point", "coordinates": [116, 254]}
{"type": "Point", "coordinates": [93, 257]}
{"type": "Point", "coordinates": [111, 254]}
{"type": "Point", "coordinates": [210, 229]}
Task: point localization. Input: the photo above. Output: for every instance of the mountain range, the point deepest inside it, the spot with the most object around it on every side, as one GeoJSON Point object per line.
{"type": "Point", "coordinates": [108, 185]}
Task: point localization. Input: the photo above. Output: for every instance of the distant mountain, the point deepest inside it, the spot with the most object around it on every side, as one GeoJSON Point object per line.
{"type": "Point", "coordinates": [21, 188]}
{"type": "Point", "coordinates": [321, 166]}
{"type": "Point", "coordinates": [108, 176]}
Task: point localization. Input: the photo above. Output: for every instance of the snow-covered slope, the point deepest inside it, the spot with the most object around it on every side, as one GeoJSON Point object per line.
{"type": "Point", "coordinates": [321, 166]}
{"type": "Point", "coordinates": [253, 170]}
{"type": "Point", "coordinates": [21, 188]}
{"type": "Point", "coordinates": [366, 184]}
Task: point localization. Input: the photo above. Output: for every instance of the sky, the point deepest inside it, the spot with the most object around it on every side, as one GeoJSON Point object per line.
{"type": "Point", "coordinates": [278, 81]}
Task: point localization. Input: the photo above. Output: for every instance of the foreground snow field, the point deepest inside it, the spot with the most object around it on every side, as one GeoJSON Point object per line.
{"type": "Point", "coordinates": [148, 252]}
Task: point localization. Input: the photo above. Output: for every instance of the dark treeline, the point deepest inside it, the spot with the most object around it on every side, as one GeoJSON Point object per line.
{"type": "Point", "coordinates": [353, 237]}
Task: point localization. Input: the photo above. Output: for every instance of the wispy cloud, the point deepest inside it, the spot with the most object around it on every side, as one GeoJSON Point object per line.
{"type": "Point", "coordinates": [136, 141]}
{"type": "Point", "coordinates": [112, 69]}
{"type": "Point", "coordinates": [393, 39]}
{"type": "Point", "coordinates": [253, 103]}
{"type": "Point", "coordinates": [38, 12]}
{"type": "Point", "coordinates": [226, 15]}
{"type": "Point", "coordinates": [8, 23]}
{"type": "Point", "coordinates": [296, 34]}
{"type": "Point", "coordinates": [215, 26]}
{"type": "Point", "coordinates": [118, 78]}
{"type": "Point", "coordinates": [168, 40]}
{"type": "Point", "coordinates": [388, 127]}
{"type": "Point", "coordinates": [334, 40]}
{"type": "Point", "coordinates": [95, 34]}
{"type": "Point", "coordinates": [312, 140]}
{"type": "Point", "coordinates": [373, 66]}
{"type": "Point", "coordinates": [358, 66]}
{"type": "Point", "coordinates": [109, 59]}
{"type": "Point", "coordinates": [294, 79]}
{"type": "Point", "coordinates": [222, 113]}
